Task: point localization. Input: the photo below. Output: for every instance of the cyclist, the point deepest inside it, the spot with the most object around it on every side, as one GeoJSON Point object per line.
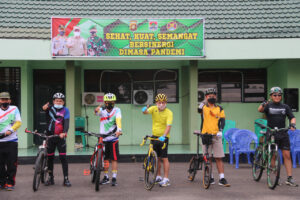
{"type": "Point", "coordinates": [162, 119]}
{"type": "Point", "coordinates": [10, 121]}
{"type": "Point", "coordinates": [58, 117]}
{"type": "Point", "coordinates": [213, 122]}
{"type": "Point", "coordinates": [110, 122]}
{"type": "Point", "coordinates": [276, 113]}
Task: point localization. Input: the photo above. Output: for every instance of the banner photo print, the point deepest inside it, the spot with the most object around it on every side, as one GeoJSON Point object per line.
{"type": "Point", "coordinates": [87, 37]}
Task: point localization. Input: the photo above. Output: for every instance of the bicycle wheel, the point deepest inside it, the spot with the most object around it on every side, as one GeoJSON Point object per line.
{"type": "Point", "coordinates": [151, 171]}
{"type": "Point", "coordinates": [37, 171]}
{"type": "Point", "coordinates": [98, 169]}
{"type": "Point", "coordinates": [93, 165]}
{"type": "Point", "coordinates": [44, 170]}
{"type": "Point", "coordinates": [273, 170]}
{"type": "Point", "coordinates": [192, 168]}
{"type": "Point", "coordinates": [206, 175]}
{"type": "Point", "coordinates": [257, 164]}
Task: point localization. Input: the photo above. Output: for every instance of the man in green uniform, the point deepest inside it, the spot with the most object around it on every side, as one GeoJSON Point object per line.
{"type": "Point", "coordinates": [95, 44]}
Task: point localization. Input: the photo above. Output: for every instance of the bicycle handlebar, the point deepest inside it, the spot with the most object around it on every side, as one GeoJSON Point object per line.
{"type": "Point", "coordinates": [274, 130]}
{"type": "Point", "coordinates": [40, 134]}
{"type": "Point", "coordinates": [98, 135]}
{"type": "Point", "coordinates": [150, 137]}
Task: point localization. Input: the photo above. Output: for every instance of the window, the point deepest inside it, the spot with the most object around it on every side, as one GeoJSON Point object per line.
{"type": "Point", "coordinates": [234, 85]}
{"type": "Point", "coordinates": [124, 82]}
{"type": "Point", "coordinates": [10, 81]}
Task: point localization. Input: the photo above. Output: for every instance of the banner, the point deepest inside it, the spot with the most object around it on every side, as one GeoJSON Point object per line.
{"type": "Point", "coordinates": [87, 37]}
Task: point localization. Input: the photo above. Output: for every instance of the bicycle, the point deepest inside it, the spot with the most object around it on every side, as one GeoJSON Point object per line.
{"type": "Point", "coordinates": [41, 164]}
{"type": "Point", "coordinates": [266, 156]}
{"type": "Point", "coordinates": [150, 162]}
{"type": "Point", "coordinates": [197, 161]}
{"type": "Point", "coordinates": [97, 163]}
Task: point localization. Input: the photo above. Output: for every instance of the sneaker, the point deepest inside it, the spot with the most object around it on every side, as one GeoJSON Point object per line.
{"type": "Point", "coordinates": [164, 183]}
{"type": "Point", "coordinates": [67, 182]}
{"type": "Point", "coordinates": [158, 179]}
{"type": "Point", "coordinates": [224, 183]}
{"type": "Point", "coordinates": [114, 182]}
{"type": "Point", "coordinates": [9, 187]}
{"type": "Point", "coordinates": [50, 181]}
{"type": "Point", "coordinates": [105, 180]}
{"type": "Point", "coordinates": [290, 181]}
{"type": "Point", "coordinates": [2, 187]}
{"type": "Point", "coordinates": [212, 181]}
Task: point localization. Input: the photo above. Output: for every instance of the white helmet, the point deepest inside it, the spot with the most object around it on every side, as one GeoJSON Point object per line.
{"type": "Point", "coordinates": [59, 95]}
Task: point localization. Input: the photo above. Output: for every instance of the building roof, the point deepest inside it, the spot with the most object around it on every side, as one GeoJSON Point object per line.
{"type": "Point", "coordinates": [224, 19]}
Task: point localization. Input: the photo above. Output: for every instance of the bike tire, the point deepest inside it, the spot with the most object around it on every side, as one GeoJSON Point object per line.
{"type": "Point", "coordinates": [98, 169]}
{"type": "Point", "coordinates": [257, 164]}
{"type": "Point", "coordinates": [151, 167]}
{"type": "Point", "coordinates": [192, 168]}
{"type": "Point", "coordinates": [37, 171]}
{"type": "Point", "coordinates": [206, 175]}
{"type": "Point", "coordinates": [44, 171]}
{"type": "Point", "coordinates": [273, 173]}
{"type": "Point", "coordinates": [92, 169]}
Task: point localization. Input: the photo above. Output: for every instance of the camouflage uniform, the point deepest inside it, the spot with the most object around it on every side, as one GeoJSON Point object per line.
{"type": "Point", "coordinates": [95, 46]}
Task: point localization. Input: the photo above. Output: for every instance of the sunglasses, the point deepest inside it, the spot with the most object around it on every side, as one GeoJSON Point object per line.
{"type": "Point", "coordinates": [277, 95]}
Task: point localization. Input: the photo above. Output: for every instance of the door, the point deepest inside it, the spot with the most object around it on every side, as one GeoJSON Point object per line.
{"type": "Point", "coordinates": [46, 84]}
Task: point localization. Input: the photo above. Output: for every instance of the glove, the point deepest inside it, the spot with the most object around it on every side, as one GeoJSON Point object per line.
{"type": "Point", "coordinates": [201, 105]}
{"type": "Point", "coordinates": [292, 125]}
{"type": "Point", "coordinates": [219, 134]}
{"type": "Point", "coordinates": [264, 103]}
{"type": "Point", "coordinates": [162, 138]}
{"type": "Point", "coordinates": [144, 108]}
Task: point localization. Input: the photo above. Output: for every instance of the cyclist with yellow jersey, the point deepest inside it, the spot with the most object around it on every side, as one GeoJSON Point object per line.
{"type": "Point", "coordinates": [162, 119]}
{"type": "Point", "coordinates": [213, 122]}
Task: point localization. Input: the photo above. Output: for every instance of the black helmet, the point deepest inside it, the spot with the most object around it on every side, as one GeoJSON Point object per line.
{"type": "Point", "coordinates": [210, 91]}
{"type": "Point", "coordinates": [59, 95]}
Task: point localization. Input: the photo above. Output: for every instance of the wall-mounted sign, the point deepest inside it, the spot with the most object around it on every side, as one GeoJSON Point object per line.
{"type": "Point", "coordinates": [79, 37]}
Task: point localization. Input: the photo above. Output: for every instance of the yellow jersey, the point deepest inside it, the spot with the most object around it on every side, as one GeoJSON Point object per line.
{"type": "Point", "coordinates": [160, 120]}
{"type": "Point", "coordinates": [211, 119]}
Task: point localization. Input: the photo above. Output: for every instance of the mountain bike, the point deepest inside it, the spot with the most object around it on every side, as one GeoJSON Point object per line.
{"type": "Point", "coordinates": [41, 164]}
{"type": "Point", "coordinates": [266, 156]}
{"type": "Point", "coordinates": [197, 161]}
{"type": "Point", "coordinates": [150, 163]}
{"type": "Point", "coordinates": [97, 163]}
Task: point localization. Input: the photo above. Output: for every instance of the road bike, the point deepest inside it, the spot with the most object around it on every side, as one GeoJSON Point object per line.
{"type": "Point", "coordinates": [150, 162]}
{"type": "Point", "coordinates": [198, 161]}
{"type": "Point", "coordinates": [266, 156]}
{"type": "Point", "coordinates": [41, 162]}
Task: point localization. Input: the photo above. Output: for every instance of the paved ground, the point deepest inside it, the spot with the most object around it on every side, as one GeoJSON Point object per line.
{"type": "Point", "coordinates": [131, 187]}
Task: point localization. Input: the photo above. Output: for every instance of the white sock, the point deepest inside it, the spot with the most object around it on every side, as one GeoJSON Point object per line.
{"type": "Point", "coordinates": [212, 176]}
{"type": "Point", "coordinates": [221, 175]}
{"type": "Point", "coordinates": [114, 174]}
{"type": "Point", "coordinates": [158, 177]}
{"type": "Point", "coordinates": [106, 174]}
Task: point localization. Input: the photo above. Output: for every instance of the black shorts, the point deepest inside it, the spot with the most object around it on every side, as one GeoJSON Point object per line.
{"type": "Point", "coordinates": [59, 143]}
{"type": "Point", "coordinates": [111, 151]}
{"type": "Point", "coordinates": [283, 141]}
{"type": "Point", "coordinates": [157, 146]}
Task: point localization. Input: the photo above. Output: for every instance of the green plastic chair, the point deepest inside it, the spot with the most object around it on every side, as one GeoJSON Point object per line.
{"type": "Point", "coordinates": [257, 129]}
{"type": "Point", "coordinates": [79, 128]}
{"type": "Point", "coordinates": [228, 125]}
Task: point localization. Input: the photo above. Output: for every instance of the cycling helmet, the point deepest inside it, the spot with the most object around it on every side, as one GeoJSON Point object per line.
{"type": "Point", "coordinates": [210, 91]}
{"type": "Point", "coordinates": [110, 97]}
{"type": "Point", "coordinates": [59, 95]}
{"type": "Point", "coordinates": [161, 97]}
{"type": "Point", "coordinates": [275, 90]}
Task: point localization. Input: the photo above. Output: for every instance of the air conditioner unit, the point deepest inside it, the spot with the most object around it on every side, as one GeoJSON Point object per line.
{"type": "Point", "coordinates": [92, 98]}
{"type": "Point", "coordinates": [142, 97]}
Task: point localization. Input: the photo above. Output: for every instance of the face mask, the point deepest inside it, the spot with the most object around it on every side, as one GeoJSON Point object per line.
{"type": "Point", "coordinates": [77, 34]}
{"type": "Point", "coordinates": [58, 106]}
{"type": "Point", "coordinates": [109, 106]}
{"type": "Point", "coordinates": [212, 100]}
{"type": "Point", "coordinates": [4, 105]}
{"type": "Point", "coordinates": [161, 106]}
{"type": "Point", "coordinates": [61, 33]}
{"type": "Point", "coordinates": [93, 32]}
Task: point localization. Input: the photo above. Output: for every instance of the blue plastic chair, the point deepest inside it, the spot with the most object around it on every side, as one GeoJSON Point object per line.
{"type": "Point", "coordinates": [257, 128]}
{"type": "Point", "coordinates": [228, 125]}
{"type": "Point", "coordinates": [295, 148]}
{"type": "Point", "coordinates": [227, 136]}
{"type": "Point", "coordinates": [79, 128]}
{"type": "Point", "coordinates": [241, 143]}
